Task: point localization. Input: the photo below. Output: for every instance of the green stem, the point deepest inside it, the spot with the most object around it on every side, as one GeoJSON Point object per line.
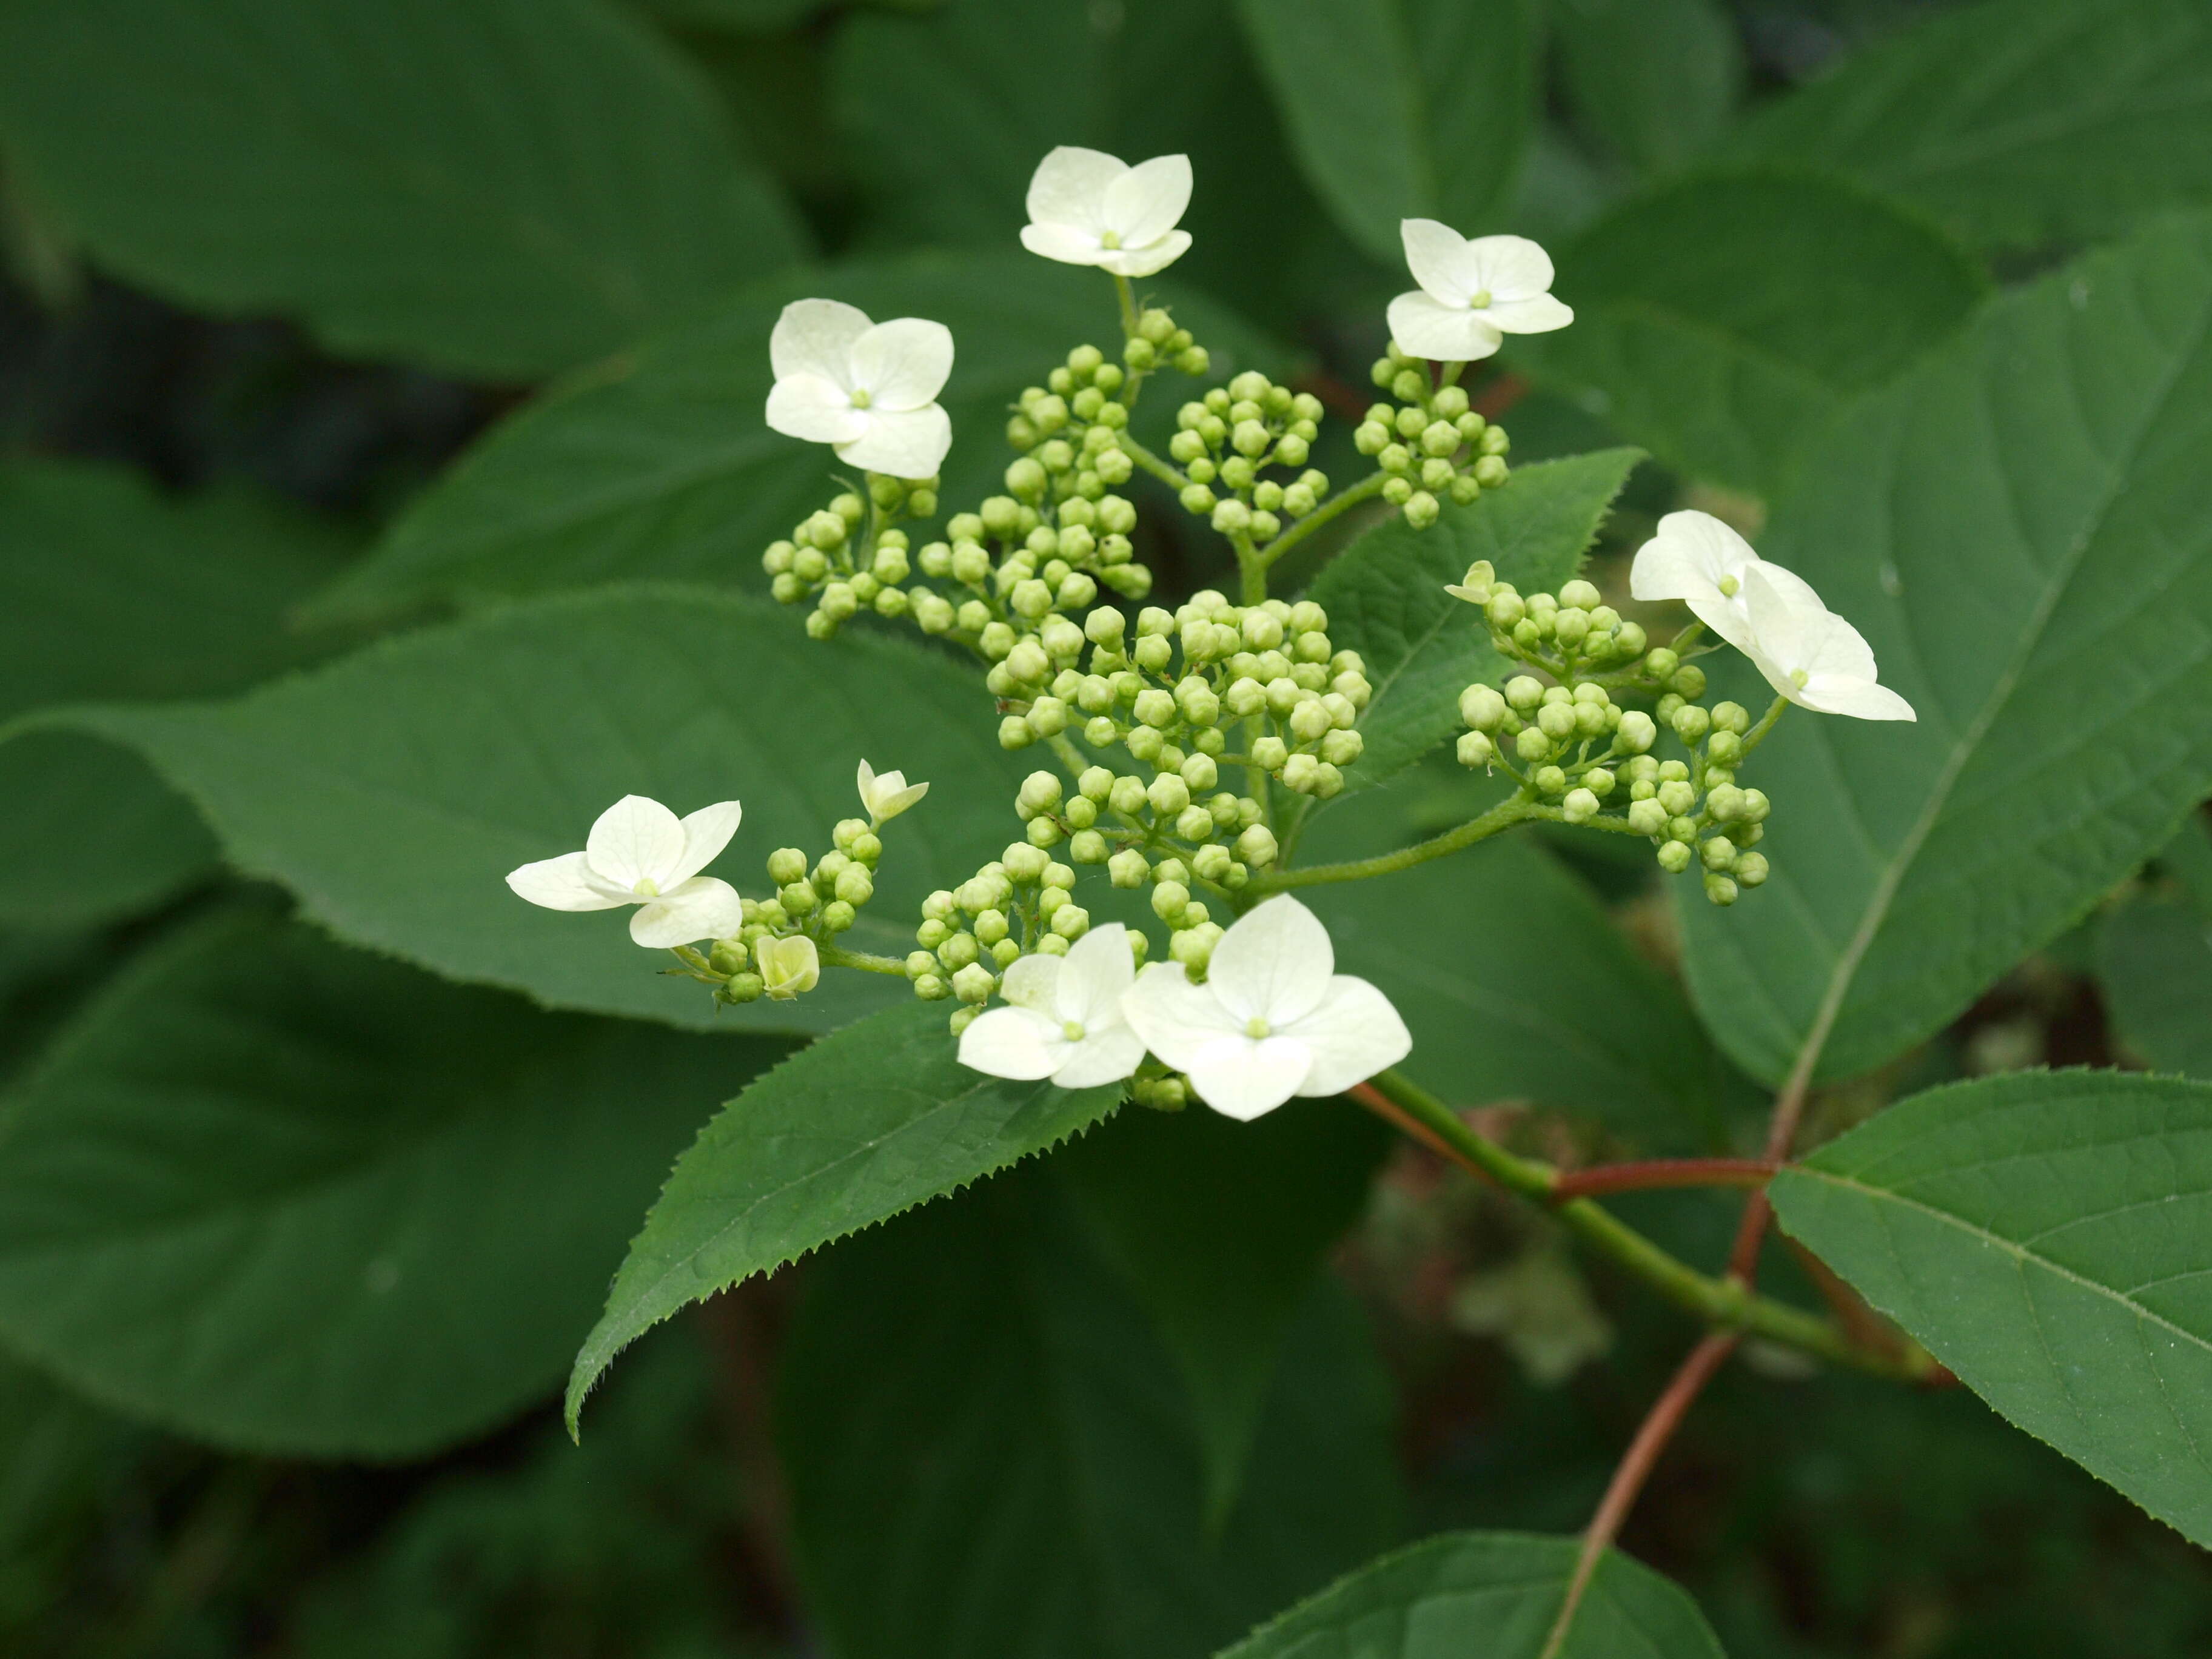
{"type": "Point", "coordinates": [835, 957]}
{"type": "Point", "coordinates": [1129, 298]}
{"type": "Point", "coordinates": [1166, 473]}
{"type": "Point", "coordinates": [1758, 734]}
{"type": "Point", "coordinates": [1504, 816]}
{"type": "Point", "coordinates": [1727, 1302]}
{"type": "Point", "coordinates": [1349, 496]}
{"type": "Point", "coordinates": [1555, 815]}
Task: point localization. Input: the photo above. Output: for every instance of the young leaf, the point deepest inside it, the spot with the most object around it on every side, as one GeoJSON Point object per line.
{"type": "Point", "coordinates": [392, 792]}
{"type": "Point", "coordinates": [870, 1121]}
{"type": "Point", "coordinates": [2023, 512]}
{"type": "Point", "coordinates": [2047, 1236]}
{"type": "Point", "coordinates": [2154, 962]}
{"type": "Point", "coordinates": [293, 1199]}
{"type": "Point", "coordinates": [1402, 108]}
{"type": "Point", "coordinates": [990, 1452]}
{"type": "Point", "coordinates": [1219, 1228]}
{"type": "Point", "coordinates": [1487, 1595]}
{"type": "Point", "coordinates": [2022, 123]}
{"type": "Point", "coordinates": [1726, 319]}
{"type": "Point", "coordinates": [1657, 80]}
{"type": "Point", "coordinates": [1385, 596]}
{"type": "Point", "coordinates": [498, 188]}
{"type": "Point", "coordinates": [185, 598]}
{"type": "Point", "coordinates": [660, 464]}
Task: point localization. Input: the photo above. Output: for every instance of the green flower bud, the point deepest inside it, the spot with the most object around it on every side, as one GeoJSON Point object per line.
{"type": "Point", "coordinates": [1531, 745]}
{"type": "Point", "coordinates": [1489, 471]}
{"type": "Point", "coordinates": [1524, 692]}
{"type": "Point", "coordinates": [1256, 846]}
{"type": "Point", "coordinates": [1556, 721]}
{"type": "Point", "coordinates": [1579, 807]}
{"type": "Point", "coordinates": [1647, 817]}
{"type": "Point", "coordinates": [1550, 781]}
{"type": "Point", "coordinates": [1270, 753]}
{"type": "Point", "coordinates": [1755, 806]}
{"type": "Point", "coordinates": [1674, 857]}
{"type": "Point", "coordinates": [1724, 803]}
{"type": "Point", "coordinates": [744, 987]}
{"type": "Point", "coordinates": [973, 984]}
{"type": "Point", "coordinates": [786, 865]}
{"type": "Point", "coordinates": [1690, 722]}
{"type": "Point", "coordinates": [1342, 748]}
{"type": "Point", "coordinates": [1422, 509]}
{"type": "Point", "coordinates": [1476, 749]}
{"type": "Point", "coordinates": [1040, 793]}
{"type": "Point", "coordinates": [1690, 680]}
{"type": "Point", "coordinates": [1201, 772]}
{"type": "Point", "coordinates": [1718, 854]}
{"type": "Point", "coordinates": [1170, 900]}
{"type": "Point", "coordinates": [1506, 609]}
{"type": "Point", "coordinates": [1719, 889]}
{"type": "Point", "coordinates": [1014, 733]}
{"type": "Point", "coordinates": [1636, 732]}
{"type": "Point", "coordinates": [1168, 794]}
{"type": "Point", "coordinates": [1100, 731]}
{"type": "Point", "coordinates": [1751, 869]}
{"type": "Point", "coordinates": [854, 886]}
{"type": "Point", "coordinates": [1676, 797]}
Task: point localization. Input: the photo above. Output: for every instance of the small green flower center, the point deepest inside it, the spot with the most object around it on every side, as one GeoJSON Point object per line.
{"type": "Point", "coordinates": [863, 398]}
{"type": "Point", "coordinates": [1481, 299]}
{"type": "Point", "coordinates": [1073, 1030]}
{"type": "Point", "coordinates": [1798, 678]}
{"type": "Point", "coordinates": [1256, 1028]}
{"type": "Point", "coordinates": [1111, 238]}
{"type": "Point", "coordinates": [1730, 586]}
{"type": "Point", "coordinates": [648, 888]}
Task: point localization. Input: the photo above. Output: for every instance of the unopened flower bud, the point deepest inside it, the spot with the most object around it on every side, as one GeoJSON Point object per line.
{"type": "Point", "coordinates": [1674, 857]}
{"type": "Point", "coordinates": [1476, 749]}
{"type": "Point", "coordinates": [1636, 732]}
{"type": "Point", "coordinates": [1720, 889]}
{"type": "Point", "coordinates": [1256, 846]}
{"type": "Point", "coordinates": [1690, 722]}
{"type": "Point", "coordinates": [1750, 869]}
{"type": "Point", "coordinates": [1524, 692]}
{"type": "Point", "coordinates": [1647, 817]}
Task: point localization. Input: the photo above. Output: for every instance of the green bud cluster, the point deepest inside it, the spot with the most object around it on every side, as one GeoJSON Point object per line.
{"type": "Point", "coordinates": [847, 558]}
{"type": "Point", "coordinates": [1428, 443]}
{"type": "Point", "coordinates": [1022, 903]}
{"type": "Point", "coordinates": [1156, 340]}
{"type": "Point", "coordinates": [816, 899]}
{"type": "Point", "coordinates": [1225, 441]}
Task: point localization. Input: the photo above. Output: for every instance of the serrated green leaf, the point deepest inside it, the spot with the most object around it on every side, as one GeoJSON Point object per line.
{"type": "Point", "coordinates": [990, 1453]}
{"type": "Point", "coordinates": [184, 598]}
{"type": "Point", "coordinates": [2047, 1236]}
{"type": "Point", "coordinates": [1219, 1228]}
{"type": "Point", "coordinates": [1487, 1595]}
{"type": "Point", "coordinates": [2187, 858]}
{"type": "Point", "coordinates": [1402, 108]}
{"type": "Point", "coordinates": [870, 1121]}
{"type": "Point", "coordinates": [393, 791]}
{"type": "Point", "coordinates": [1724, 321]}
{"type": "Point", "coordinates": [290, 1198]}
{"type": "Point", "coordinates": [499, 188]}
{"type": "Point", "coordinates": [660, 464]}
{"type": "Point", "coordinates": [2154, 962]}
{"type": "Point", "coordinates": [1385, 597]}
{"type": "Point", "coordinates": [2027, 510]}
{"type": "Point", "coordinates": [2021, 123]}
{"type": "Point", "coordinates": [1654, 80]}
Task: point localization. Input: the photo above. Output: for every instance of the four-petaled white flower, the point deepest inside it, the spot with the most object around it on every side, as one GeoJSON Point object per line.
{"type": "Point", "coordinates": [1472, 293]}
{"type": "Point", "coordinates": [1787, 631]}
{"type": "Point", "coordinates": [1064, 1017]}
{"type": "Point", "coordinates": [1087, 207]}
{"type": "Point", "coordinates": [788, 966]}
{"type": "Point", "coordinates": [1273, 1018]}
{"type": "Point", "coordinates": [866, 389]}
{"type": "Point", "coordinates": [887, 796]}
{"type": "Point", "coordinates": [640, 852]}
{"type": "Point", "coordinates": [1811, 655]}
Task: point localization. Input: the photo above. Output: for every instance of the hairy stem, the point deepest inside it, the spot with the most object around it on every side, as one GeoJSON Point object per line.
{"type": "Point", "coordinates": [835, 957]}
{"type": "Point", "coordinates": [1503, 815]}
{"type": "Point", "coordinates": [1166, 471]}
{"type": "Point", "coordinates": [1635, 1468]}
{"type": "Point", "coordinates": [1655, 1174]}
{"type": "Point", "coordinates": [1757, 735]}
{"type": "Point", "coordinates": [1349, 496]}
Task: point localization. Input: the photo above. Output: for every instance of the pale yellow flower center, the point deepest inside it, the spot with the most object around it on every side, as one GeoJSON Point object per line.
{"type": "Point", "coordinates": [1256, 1028]}
{"type": "Point", "coordinates": [648, 888]}
{"type": "Point", "coordinates": [1111, 238]}
{"type": "Point", "coordinates": [1729, 587]}
{"type": "Point", "coordinates": [863, 398]}
{"type": "Point", "coordinates": [1073, 1030]}
{"type": "Point", "coordinates": [1481, 299]}
{"type": "Point", "coordinates": [1798, 678]}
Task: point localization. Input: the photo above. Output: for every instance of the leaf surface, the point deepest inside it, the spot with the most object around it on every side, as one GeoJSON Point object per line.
{"type": "Point", "coordinates": [1657, 80]}
{"type": "Point", "coordinates": [498, 188]}
{"type": "Point", "coordinates": [394, 790]}
{"type": "Point", "coordinates": [2009, 526]}
{"type": "Point", "coordinates": [1385, 597]}
{"type": "Point", "coordinates": [2047, 1236]}
{"type": "Point", "coordinates": [2154, 962]}
{"type": "Point", "coordinates": [1486, 1595]}
{"type": "Point", "coordinates": [293, 1199]}
{"type": "Point", "coordinates": [872, 1120]}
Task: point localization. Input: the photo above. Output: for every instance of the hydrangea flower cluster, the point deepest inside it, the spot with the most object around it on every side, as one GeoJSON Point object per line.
{"type": "Point", "coordinates": [1178, 736]}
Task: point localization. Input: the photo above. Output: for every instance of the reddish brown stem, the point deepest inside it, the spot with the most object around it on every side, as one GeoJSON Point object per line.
{"type": "Point", "coordinates": [1635, 1468]}
{"type": "Point", "coordinates": [1660, 1172]}
{"type": "Point", "coordinates": [1389, 1110]}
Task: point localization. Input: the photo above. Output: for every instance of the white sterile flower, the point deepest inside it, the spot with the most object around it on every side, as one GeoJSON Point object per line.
{"type": "Point", "coordinates": [866, 389]}
{"type": "Point", "coordinates": [1273, 1018]}
{"type": "Point", "coordinates": [1087, 207]}
{"type": "Point", "coordinates": [1811, 655]}
{"type": "Point", "coordinates": [788, 966]}
{"type": "Point", "coordinates": [640, 852]}
{"type": "Point", "coordinates": [1472, 293]}
{"type": "Point", "coordinates": [1064, 1017]}
{"type": "Point", "coordinates": [1699, 560]}
{"type": "Point", "coordinates": [887, 796]}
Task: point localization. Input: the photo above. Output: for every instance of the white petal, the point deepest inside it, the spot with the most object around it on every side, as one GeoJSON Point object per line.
{"type": "Point", "coordinates": [1068, 244]}
{"type": "Point", "coordinates": [1354, 1034]}
{"type": "Point", "coordinates": [706, 833]}
{"type": "Point", "coordinates": [1440, 260]}
{"type": "Point", "coordinates": [905, 443]}
{"type": "Point", "coordinates": [1096, 971]}
{"type": "Point", "coordinates": [1175, 1019]}
{"type": "Point", "coordinates": [1033, 982]}
{"type": "Point", "coordinates": [1860, 699]}
{"type": "Point", "coordinates": [1424, 327]}
{"type": "Point", "coordinates": [817, 410]}
{"type": "Point", "coordinates": [903, 363]}
{"type": "Point", "coordinates": [1143, 261]}
{"type": "Point", "coordinates": [702, 908]}
{"type": "Point", "coordinates": [1143, 204]}
{"type": "Point", "coordinates": [1014, 1042]}
{"type": "Point", "coordinates": [1244, 1080]}
{"type": "Point", "coordinates": [889, 795]}
{"type": "Point", "coordinates": [1069, 188]}
{"type": "Point", "coordinates": [815, 337]}
{"type": "Point", "coordinates": [1539, 314]}
{"type": "Point", "coordinates": [789, 967]}
{"type": "Point", "coordinates": [1274, 963]}
{"type": "Point", "coordinates": [1511, 267]}
{"type": "Point", "coordinates": [636, 839]}
{"type": "Point", "coordinates": [1102, 1057]}
{"type": "Point", "coordinates": [563, 884]}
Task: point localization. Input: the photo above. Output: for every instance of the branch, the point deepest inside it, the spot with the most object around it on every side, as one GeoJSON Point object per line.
{"type": "Point", "coordinates": [1503, 815]}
